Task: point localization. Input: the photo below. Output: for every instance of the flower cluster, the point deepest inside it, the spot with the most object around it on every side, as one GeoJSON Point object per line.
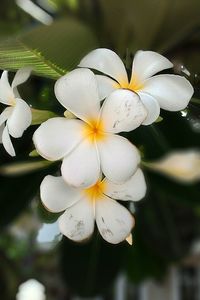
{"type": "Point", "coordinates": [16, 117]}
{"type": "Point", "coordinates": [98, 165]}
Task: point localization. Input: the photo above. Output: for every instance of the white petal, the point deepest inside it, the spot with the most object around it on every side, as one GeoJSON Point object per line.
{"type": "Point", "coordinates": [20, 118]}
{"type": "Point", "coordinates": [122, 111]}
{"type": "Point", "coordinates": [152, 106]}
{"type": "Point", "coordinates": [56, 195]}
{"type": "Point", "coordinates": [173, 92]}
{"type": "Point", "coordinates": [21, 76]}
{"type": "Point", "coordinates": [107, 62]}
{"type": "Point", "coordinates": [119, 158]}
{"type": "Point", "coordinates": [16, 93]}
{"type": "Point", "coordinates": [1, 132]}
{"type": "Point", "coordinates": [78, 92]}
{"type": "Point", "coordinates": [56, 137]}
{"type": "Point", "coordinates": [106, 86]}
{"type": "Point", "coordinates": [6, 113]}
{"type": "Point", "coordinates": [77, 222]}
{"type": "Point", "coordinates": [81, 168]}
{"type": "Point", "coordinates": [114, 221]}
{"type": "Point", "coordinates": [6, 93]}
{"type": "Point", "coordinates": [133, 189]}
{"type": "Point", "coordinates": [148, 63]}
{"type": "Point", "coordinates": [3, 118]}
{"type": "Point", "coordinates": [7, 142]}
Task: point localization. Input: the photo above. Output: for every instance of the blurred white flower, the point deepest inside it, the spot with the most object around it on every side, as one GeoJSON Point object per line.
{"type": "Point", "coordinates": [83, 206]}
{"type": "Point", "coordinates": [181, 165]}
{"type": "Point", "coordinates": [170, 92]}
{"type": "Point", "coordinates": [90, 145]}
{"type": "Point", "coordinates": [15, 118]}
{"type": "Point", "coordinates": [31, 290]}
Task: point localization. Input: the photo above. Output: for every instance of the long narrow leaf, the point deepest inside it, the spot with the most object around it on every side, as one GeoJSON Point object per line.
{"type": "Point", "coordinates": [51, 50]}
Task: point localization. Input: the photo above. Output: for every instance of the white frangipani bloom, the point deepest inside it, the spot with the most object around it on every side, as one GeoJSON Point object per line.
{"type": "Point", "coordinates": [31, 290]}
{"type": "Point", "coordinates": [83, 206]}
{"type": "Point", "coordinates": [90, 145]}
{"type": "Point", "coordinates": [166, 91]}
{"type": "Point", "coordinates": [15, 118]}
{"type": "Point", "coordinates": [181, 165]}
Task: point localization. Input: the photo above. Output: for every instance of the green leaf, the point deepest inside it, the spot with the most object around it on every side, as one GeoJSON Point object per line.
{"type": "Point", "coordinates": [40, 116]}
{"type": "Point", "coordinates": [25, 167]}
{"type": "Point", "coordinates": [14, 54]}
{"type": "Point", "coordinates": [50, 50]}
{"type": "Point", "coordinates": [195, 101]}
{"type": "Point", "coordinates": [159, 119]}
{"type": "Point", "coordinates": [34, 153]}
{"type": "Point", "coordinates": [69, 115]}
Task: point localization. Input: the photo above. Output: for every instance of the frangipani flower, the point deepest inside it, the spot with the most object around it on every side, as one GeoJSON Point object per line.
{"type": "Point", "coordinates": [170, 92]}
{"type": "Point", "coordinates": [31, 290]}
{"type": "Point", "coordinates": [17, 116]}
{"type": "Point", "coordinates": [90, 145]}
{"type": "Point", "coordinates": [83, 206]}
{"type": "Point", "coordinates": [181, 165]}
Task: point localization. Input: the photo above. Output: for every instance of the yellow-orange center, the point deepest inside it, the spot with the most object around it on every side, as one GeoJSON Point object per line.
{"type": "Point", "coordinates": [96, 192]}
{"type": "Point", "coordinates": [12, 101]}
{"type": "Point", "coordinates": [134, 85]}
{"type": "Point", "coordinates": [94, 131]}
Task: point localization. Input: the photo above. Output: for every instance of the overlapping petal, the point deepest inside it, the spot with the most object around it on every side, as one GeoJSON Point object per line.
{"type": "Point", "coordinates": [7, 143]}
{"type": "Point", "coordinates": [107, 62]}
{"type": "Point", "coordinates": [119, 158]}
{"type": "Point", "coordinates": [152, 106]}
{"type": "Point", "coordinates": [172, 92]}
{"type": "Point", "coordinates": [56, 195]}
{"type": "Point", "coordinates": [133, 189]}
{"type": "Point", "coordinates": [114, 221]}
{"type": "Point", "coordinates": [20, 118]}
{"type": "Point", "coordinates": [21, 76]}
{"type": "Point", "coordinates": [5, 114]}
{"type": "Point", "coordinates": [77, 222]}
{"type": "Point", "coordinates": [78, 92]}
{"type": "Point", "coordinates": [148, 63]}
{"type": "Point", "coordinates": [106, 86]}
{"type": "Point", "coordinates": [122, 111]}
{"type": "Point", "coordinates": [81, 168]}
{"type": "Point", "coordinates": [56, 137]}
{"type": "Point", "coordinates": [6, 92]}
{"type": "Point", "coordinates": [82, 207]}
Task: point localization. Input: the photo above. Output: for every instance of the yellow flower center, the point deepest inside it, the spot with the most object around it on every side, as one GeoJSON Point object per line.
{"type": "Point", "coordinates": [96, 192]}
{"type": "Point", "coordinates": [94, 131]}
{"type": "Point", "coordinates": [134, 85]}
{"type": "Point", "coordinates": [12, 101]}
